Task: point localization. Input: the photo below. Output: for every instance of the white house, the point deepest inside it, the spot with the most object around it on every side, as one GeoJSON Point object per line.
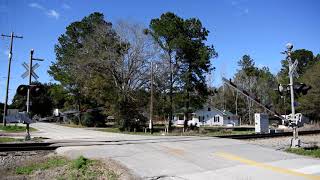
{"type": "Point", "coordinates": [208, 116]}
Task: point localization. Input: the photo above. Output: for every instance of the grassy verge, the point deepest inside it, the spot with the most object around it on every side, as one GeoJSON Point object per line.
{"type": "Point", "coordinates": [221, 132]}
{"type": "Point", "coordinates": [72, 125]}
{"type": "Point", "coordinates": [50, 163]}
{"type": "Point", "coordinates": [313, 152]}
{"type": "Point", "coordinates": [57, 167]}
{"type": "Point", "coordinates": [14, 128]}
{"type": "Point", "coordinates": [6, 139]}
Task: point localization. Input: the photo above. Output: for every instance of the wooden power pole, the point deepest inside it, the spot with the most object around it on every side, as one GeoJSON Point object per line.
{"type": "Point", "coordinates": [12, 36]}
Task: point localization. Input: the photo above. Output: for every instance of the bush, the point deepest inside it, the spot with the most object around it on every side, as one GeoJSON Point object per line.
{"type": "Point", "coordinates": [80, 163]}
{"type": "Point", "coordinates": [74, 119]}
{"type": "Point", "coordinates": [95, 119]}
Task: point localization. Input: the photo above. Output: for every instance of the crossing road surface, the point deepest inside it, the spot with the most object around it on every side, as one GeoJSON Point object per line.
{"type": "Point", "coordinates": [153, 157]}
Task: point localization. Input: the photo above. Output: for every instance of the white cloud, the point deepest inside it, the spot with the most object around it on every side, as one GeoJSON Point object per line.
{"type": "Point", "coordinates": [234, 3]}
{"type": "Point", "coordinates": [50, 12]}
{"type": "Point", "coordinates": [240, 7]}
{"type": "Point", "coordinates": [36, 5]}
{"type": "Point", "coordinates": [66, 6]}
{"type": "Point", "coordinates": [53, 13]}
{"type": "Point", "coordinates": [246, 11]}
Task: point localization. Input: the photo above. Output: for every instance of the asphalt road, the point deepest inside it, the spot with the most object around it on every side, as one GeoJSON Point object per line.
{"type": "Point", "coordinates": [165, 157]}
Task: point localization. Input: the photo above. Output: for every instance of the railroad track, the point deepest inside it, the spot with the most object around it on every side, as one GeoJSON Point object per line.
{"type": "Point", "coordinates": [270, 135]}
{"type": "Point", "coordinates": [5, 147]}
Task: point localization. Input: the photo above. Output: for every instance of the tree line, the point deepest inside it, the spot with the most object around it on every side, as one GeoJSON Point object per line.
{"type": "Point", "coordinates": [100, 64]}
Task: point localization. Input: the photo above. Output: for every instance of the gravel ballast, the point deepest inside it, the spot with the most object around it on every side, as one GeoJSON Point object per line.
{"type": "Point", "coordinates": [281, 143]}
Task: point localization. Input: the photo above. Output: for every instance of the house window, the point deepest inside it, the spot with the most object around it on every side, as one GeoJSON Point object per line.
{"type": "Point", "coordinates": [216, 119]}
{"type": "Point", "coordinates": [209, 109]}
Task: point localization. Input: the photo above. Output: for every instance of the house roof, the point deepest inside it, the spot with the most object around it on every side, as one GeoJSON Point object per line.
{"type": "Point", "coordinates": [227, 113]}
{"type": "Point", "coordinates": [222, 112]}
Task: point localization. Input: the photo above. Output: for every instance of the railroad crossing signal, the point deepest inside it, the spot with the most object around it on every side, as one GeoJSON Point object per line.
{"type": "Point", "coordinates": [26, 73]}
{"type": "Point", "coordinates": [293, 69]}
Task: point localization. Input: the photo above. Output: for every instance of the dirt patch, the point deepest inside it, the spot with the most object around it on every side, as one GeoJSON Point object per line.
{"type": "Point", "coordinates": [118, 168]}
{"type": "Point", "coordinates": [9, 160]}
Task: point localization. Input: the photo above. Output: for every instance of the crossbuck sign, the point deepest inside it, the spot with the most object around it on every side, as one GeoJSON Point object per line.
{"type": "Point", "coordinates": [26, 73]}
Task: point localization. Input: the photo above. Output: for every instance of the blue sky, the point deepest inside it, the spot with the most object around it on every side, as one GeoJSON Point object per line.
{"type": "Point", "coordinates": [237, 27]}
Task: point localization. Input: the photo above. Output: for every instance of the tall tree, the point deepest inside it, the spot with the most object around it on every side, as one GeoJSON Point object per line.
{"type": "Point", "coordinates": [164, 30]}
{"type": "Point", "coordinates": [309, 104]}
{"type": "Point", "coordinates": [305, 60]}
{"type": "Point", "coordinates": [109, 65]}
{"type": "Point", "coordinates": [76, 56]}
{"type": "Point", "coordinates": [184, 43]}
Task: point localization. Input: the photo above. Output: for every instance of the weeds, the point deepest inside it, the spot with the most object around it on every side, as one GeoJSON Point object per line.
{"type": "Point", "coordinates": [80, 168]}
{"type": "Point", "coordinates": [313, 152]}
{"type": "Point", "coordinates": [14, 128]}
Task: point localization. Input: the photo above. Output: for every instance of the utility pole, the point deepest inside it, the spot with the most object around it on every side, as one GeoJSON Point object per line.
{"type": "Point", "coordinates": [30, 77]}
{"type": "Point", "coordinates": [29, 88]}
{"type": "Point", "coordinates": [151, 101]}
{"type": "Point", "coordinates": [12, 36]}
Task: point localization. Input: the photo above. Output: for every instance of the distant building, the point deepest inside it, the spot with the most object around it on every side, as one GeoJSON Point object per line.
{"type": "Point", "coordinates": [209, 116]}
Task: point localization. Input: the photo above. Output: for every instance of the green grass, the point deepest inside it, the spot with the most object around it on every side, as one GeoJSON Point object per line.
{"type": "Point", "coordinates": [219, 132]}
{"type": "Point", "coordinates": [50, 163]}
{"type": "Point", "coordinates": [80, 168]}
{"type": "Point", "coordinates": [14, 128]}
{"type": "Point", "coordinates": [81, 163]}
{"type": "Point", "coordinates": [313, 152]}
{"type": "Point", "coordinates": [228, 132]}
{"type": "Point", "coordinates": [7, 139]}
{"type": "Point", "coordinates": [72, 125]}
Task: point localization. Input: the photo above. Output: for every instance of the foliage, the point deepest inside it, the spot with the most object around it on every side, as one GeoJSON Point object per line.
{"type": "Point", "coordinates": [80, 163]}
{"type": "Point", "coordinates": [74, 61]}
{"type": "Point", "coordinates": [80, 168]}
{"type": "Point", "coordinates": [308, 70]}
{"type": "Point", "coordinates": [53, 96]}
{"type": "Point", "coordinates": [6, 139]}
{"type": "Point", "coordinates": [206, 132]}
{"type": "Point", "coordinates": [309, 104]}
{"type": "Point", "coordinates": [305, 60]}
{"type": "Point", "coordinates": [258, 82]}
{"type": "Point", "coordinates": [15, 128]}
{"type": "Point", "coordinates": [59, 96]}
{"type": "Point", "coordinates": [50, 163]}
{"type": "Point", "coordinates": [104, 65]}
{"type": "Point", "coordinates": [313, 152]}
{"type": "Point", "coordinates": [183, 44]}
{"type": "Point", "coordinates": [93, 119]}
